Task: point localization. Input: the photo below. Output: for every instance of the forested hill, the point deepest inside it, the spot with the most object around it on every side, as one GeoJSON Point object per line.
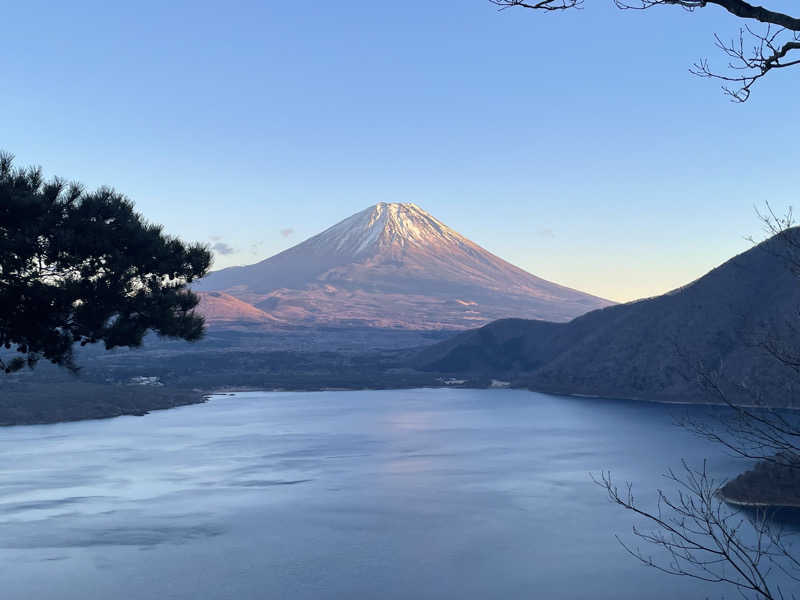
{"type": "Point", "coordinates": [654, 348]}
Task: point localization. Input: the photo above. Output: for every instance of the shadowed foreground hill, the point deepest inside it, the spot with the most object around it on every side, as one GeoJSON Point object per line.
{"type": "Point", "coordinates": [653, 348]}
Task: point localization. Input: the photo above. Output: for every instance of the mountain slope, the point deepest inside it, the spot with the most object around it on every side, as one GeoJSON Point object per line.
{"type": "Point", "coordinates": [222, 308]}
{"type": "Point", "coordinates": [394, 265]}
{"type": "Point", "coordinates": [653, 348]}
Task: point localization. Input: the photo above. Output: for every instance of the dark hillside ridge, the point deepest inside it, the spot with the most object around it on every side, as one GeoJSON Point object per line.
{"type": "Point", "coordinates": [24, 402]}
{"type": "Point", "coordinates": [653, 348]}
{"type": "Point", "coordinates": [773, 483]}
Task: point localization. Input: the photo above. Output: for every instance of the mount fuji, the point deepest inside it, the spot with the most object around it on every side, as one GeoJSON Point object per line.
{"type": "Point", "coordinates": [389, 266]}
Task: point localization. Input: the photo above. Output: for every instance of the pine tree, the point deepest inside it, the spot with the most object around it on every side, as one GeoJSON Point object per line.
{"type": "Point", "coordinates": [80, 267]}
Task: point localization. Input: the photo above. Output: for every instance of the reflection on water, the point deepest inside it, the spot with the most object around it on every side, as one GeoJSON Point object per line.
{"type": "Point", "coordinates": [390, 494]}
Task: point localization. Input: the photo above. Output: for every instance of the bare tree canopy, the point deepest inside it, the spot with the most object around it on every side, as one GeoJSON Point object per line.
{"type": "Point", "coordinates": [771, 42]}
{"type": "Point", "coordinates": [696, 534]}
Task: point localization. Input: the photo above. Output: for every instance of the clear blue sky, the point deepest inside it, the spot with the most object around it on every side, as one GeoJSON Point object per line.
{"type": "Point", "coordinates": [575, 145]}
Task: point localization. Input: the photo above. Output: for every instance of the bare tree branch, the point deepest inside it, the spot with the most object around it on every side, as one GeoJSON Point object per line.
{"type": "Point", "coordinates": [738, 8]}
{"type": "Point", "coordinates": [748, 65]}
{"type": "Point", "coordinates": [702, 538]}
{"type": "Point", "coordinates": [777, 47]}
{"type": "Point", "coordinates": [549, 5]}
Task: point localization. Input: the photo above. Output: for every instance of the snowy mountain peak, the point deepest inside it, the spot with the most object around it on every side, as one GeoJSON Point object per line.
{"type": "Point", "coordinates": [393, 265]}
{"type": "Point", "coordinates": [386, 225]}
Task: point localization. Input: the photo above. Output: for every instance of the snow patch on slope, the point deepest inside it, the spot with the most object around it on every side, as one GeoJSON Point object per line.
{"type": "Point", "coordinates": [387, 224]}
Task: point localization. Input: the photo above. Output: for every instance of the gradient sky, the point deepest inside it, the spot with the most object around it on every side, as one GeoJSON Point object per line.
{"type": "Point", "coordinates": [575, 145]}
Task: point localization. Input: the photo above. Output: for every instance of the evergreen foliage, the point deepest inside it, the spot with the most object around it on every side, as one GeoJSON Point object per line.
{"type": "Point", "coordinates": [84, 267]}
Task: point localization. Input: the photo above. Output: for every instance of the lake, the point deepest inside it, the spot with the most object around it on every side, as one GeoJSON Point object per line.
{"type": "Point", "coordinates": [430, 493]}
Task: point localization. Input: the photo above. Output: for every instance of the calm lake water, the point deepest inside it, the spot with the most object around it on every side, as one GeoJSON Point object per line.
{"type": "Point", "coordinates": [377, 494]}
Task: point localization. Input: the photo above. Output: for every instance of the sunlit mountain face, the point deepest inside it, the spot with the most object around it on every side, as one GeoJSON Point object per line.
{"type": "Point", "coordinates": [391, 265]}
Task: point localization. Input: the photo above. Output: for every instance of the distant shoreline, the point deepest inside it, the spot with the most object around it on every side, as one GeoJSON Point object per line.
{"type": "Point", "coordinates": [659, 401]}
{"type": "Point", "coordinates": [65, 402]}
{"type": "Point", "coordinates": [754, 504]}
{"type": "Point", "coordinates": [45, 404]}
{"type": "Point", "coordinates": [39, 404]}
{"type": "Point", "coordinates": [236, 389]}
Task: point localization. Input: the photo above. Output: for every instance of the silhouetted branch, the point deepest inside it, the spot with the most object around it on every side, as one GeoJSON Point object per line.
{"type": "Point", "coordinates": [749, 64]}
{"type": "Point", "coordinates": [702, 538]}
{"type": "Point", "coordinates": [772, 49]}
{"type": "Point", "coordinates": [548, 5]}
{"type": "Point", "coordinates": [758, 433]}
{"type": "Point", "coordinates": [738, 8]}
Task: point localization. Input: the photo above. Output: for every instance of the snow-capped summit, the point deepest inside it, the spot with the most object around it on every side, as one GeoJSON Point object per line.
{"type": "Point", "coordinates": [384, 225]}
{"type": "Point", "coordinates": [395, 265]}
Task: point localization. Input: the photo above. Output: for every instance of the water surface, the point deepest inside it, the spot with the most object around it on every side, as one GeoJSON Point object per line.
{"type": "Point", "coordinates": [447, 494]}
